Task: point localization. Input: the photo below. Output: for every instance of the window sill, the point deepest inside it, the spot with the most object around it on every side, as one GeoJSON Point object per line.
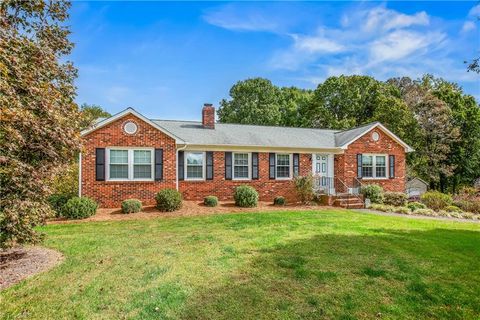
{"type": "Point", "coordinates": [375, 178]}
{"type": "Point", "coordinates": [130, 181]}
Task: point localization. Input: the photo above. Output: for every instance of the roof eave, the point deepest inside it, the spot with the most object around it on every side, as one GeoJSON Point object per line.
{"type": "Point", "coordinates": [123, 113]}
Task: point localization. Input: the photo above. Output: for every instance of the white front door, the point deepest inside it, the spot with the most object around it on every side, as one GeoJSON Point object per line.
{"type": "Point", "coordinates": [320, 171]}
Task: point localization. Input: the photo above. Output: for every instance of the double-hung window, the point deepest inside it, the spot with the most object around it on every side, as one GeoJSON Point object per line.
{"type": "Point", "coordinates": [130, 164]}
{"type": "Point", "coordinates": [374, 166]}
{"type": "Point", "coordinates": [241, 166]}
{"type": "Point", "coordinates": [194, 165]}
{"type": "Point", "coordinates": [283, 166]}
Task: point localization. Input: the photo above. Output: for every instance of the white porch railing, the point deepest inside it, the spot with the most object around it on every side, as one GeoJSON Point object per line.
{"type": "Point", "coordinates": [334, 185]}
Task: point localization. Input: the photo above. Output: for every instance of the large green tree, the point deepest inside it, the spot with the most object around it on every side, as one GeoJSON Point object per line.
{"type": "Point", "coordinates": [465, 155]}
{"type": "Point", "coordinates": [258, 101]}
{"type": "Point", "coordinates": [445, 135]}
{"type": "Point", "coordinates": [90, 113]}
{"type": "Point", "coordinates": [345, 102]}
{"type": "Point", "coordinates": [39, 120]}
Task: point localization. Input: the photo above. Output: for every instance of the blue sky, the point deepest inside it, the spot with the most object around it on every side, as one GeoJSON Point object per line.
{"type": "Point", "coordinates": [166, 59]}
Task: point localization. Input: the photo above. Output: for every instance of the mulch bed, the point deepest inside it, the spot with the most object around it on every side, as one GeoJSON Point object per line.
{"type": "Point", "coordinates": [189, 208]}
{"type": "Point", "coordinates": [19, 263]}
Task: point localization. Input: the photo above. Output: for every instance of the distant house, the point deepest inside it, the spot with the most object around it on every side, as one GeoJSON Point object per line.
{"type": "Point", "coordinates": [415, 187]}
{"type": "Point", "coordinates": [131, 156]}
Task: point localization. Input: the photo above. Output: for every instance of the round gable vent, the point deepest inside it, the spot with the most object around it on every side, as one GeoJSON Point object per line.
{"type": "Point", "coordinates": [130, 127]}
{"type": "Point", "coordinates": [375, 136]}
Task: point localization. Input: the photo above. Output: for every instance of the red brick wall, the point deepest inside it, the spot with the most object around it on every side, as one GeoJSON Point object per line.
{"type": "Point", "coordinates": [112, 193]}
{"type": "Point", "coordinates": [346, 164]}
{"type": "Point", "coordinates": [223, 189]}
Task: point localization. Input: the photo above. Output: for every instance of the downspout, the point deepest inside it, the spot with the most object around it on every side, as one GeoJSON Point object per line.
{"type": "Point", "coordinates": [80, 174]}
{"type": "Point", "coordinates": [176, 164]}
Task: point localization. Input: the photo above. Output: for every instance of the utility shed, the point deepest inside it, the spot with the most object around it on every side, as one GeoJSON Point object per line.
{"type": "Point", "coordinates": [415, 187]}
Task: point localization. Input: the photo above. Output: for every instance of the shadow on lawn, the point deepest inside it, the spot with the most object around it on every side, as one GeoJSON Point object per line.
{"type": "Point", "coordinates": [390, 273]}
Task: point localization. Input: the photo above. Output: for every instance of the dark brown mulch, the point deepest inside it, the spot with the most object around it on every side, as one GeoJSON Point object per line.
{"type": "Point", "coordinates": [19, 263]}
{"type": "Point", "coordinates": [189, 208]}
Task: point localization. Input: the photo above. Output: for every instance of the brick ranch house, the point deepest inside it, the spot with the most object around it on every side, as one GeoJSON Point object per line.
{"type": "Point", "coordinates": [130, 156]}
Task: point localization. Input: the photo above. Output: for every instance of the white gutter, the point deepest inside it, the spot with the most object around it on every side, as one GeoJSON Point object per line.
{"type": "Point", "coordinates": [80, 174]}
{"type": "Point", "coordinates": [176, 164]}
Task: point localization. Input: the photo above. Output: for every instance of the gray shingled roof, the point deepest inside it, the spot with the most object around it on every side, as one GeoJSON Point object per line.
{"type": "Point", "coordinates": [347, 136]}
{"type": "Point", "coordinates": [192, 132]}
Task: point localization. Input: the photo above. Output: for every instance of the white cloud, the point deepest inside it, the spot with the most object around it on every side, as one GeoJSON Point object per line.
{"type": "Point", "coordinates": [475, 11]}
{"type": "Point", "coordinates": [385, 19]}
{"type": "Point", "coordinates": [468, 26]}
{"type": "Point", "coordinates": [305, 48]}
{"type": "Point", "coordinates": [228, 17]}
{"type": "Point", "coordinates": [316, 44]}
{"type": "Point", "coordinates": [401, 43]}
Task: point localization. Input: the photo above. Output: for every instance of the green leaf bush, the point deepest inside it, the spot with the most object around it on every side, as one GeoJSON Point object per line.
{"type": "Point", "coordinates": [57, 202]}
{"type": "Point", "coordinates": [426, 212]}
{"type": "Point", "coordinates": [304, 187]}
{"type": "Point", "coordinates": [131, 206]}
{"type": "Point", "coordinates": [210, 201]}
{"type": "Point", "coordinates": [436, 200]}
{"type": "Point", "coordinates": [245, 196]}
{"type": "Point", "coordinates": [279, 201]}
{"type": "Point", "coordinates": [416, 205]}
{"type": "Point", "coordinates": [373, 192]}
{"type": "Point", "coordinates": [79, 208]}
{"type": "Point", "coordinates": [403, 210]}
{"type": "Point", "coordinates": [453, 209]}
{"type": "Point", "coordinates": [468, 205]}
{"type": "Point", "coordinates": [168, 200]}
{"type": "Point", "coordinates": [398, 199]}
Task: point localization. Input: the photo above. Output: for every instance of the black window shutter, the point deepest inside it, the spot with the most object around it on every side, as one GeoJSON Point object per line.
{"type": "Point", "coordinates": [391, 162]}
{"type": "Point", "coordinates": [254, 165]}
{"type": "Point", "coordinates": [181, 165]}
{"type": "Point", "coordinates": [209, 155]}
{"type": "Point", "coordinates": [158, 164]}
{"type": "Point", "coordinates": [271, 171]}
{"type": "Point", "coordinates": [359, 165]}
{"type": "Point", "coordinates": [228, 166]}
{"type": "Point", "coordinates": [296, 164]}
{"type": "Point", "coordinates": [100, 164]}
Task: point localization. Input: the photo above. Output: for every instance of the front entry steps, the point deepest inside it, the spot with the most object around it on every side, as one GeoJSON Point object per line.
{"type": "Point", "coordinates": [348, 201]}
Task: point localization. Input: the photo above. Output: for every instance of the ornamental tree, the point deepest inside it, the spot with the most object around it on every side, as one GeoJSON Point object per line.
{"type": "Point", "coordinates": [39, 120]}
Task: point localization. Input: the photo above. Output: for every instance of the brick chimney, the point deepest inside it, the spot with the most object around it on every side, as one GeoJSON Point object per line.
{"type": "Point", "coordinates": [208, 116]}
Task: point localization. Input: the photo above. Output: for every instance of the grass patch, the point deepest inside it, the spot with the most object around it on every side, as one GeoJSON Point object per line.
{"type": "Point", "coordinates": [333, 264]}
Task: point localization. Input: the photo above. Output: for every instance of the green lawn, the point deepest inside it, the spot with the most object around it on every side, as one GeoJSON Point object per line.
{"type": "Point", "coordinates": [332, 264]}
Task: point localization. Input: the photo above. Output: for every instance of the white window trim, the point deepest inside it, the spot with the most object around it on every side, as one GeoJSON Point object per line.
{"type": "Point", "coordinates": [204, 166]}
{"type": "Point", "coordinates": [290, 172]}
{"type": "Point", "coordinates": [374, 166]}
{"type": "Point", "coordinates": [129, 163]}
{"type": "Point", "coordinates": [249, 165]}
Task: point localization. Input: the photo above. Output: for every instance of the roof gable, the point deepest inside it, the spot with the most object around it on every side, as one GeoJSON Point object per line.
{"type": "Point", "coordinates": [344, 138]}
{"type": "Point", "coordinates": [103, 122]}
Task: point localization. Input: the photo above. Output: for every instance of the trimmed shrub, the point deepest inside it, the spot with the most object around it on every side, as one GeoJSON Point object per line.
{"type": "Point", "coordinates": [131, 206]}
{"type": "Point", "coordinates": [403, 210]}
{"type": "Point", "coordinates": [279, 201]}
{"type": "Point", "coordinates": [381, 207]}
{"type": "Point", "coordinates": [304, 187]}
{"type": "Point", "coordinates": [425, 212]}
{"type": "Point", "coordinates": [416, 205]}
{"type": "Point", "coordinates": [436, 200]}
{"type": "Point", "coordinates": [210, 201]}
{"type": "Point", "coordinates": [58, 201]}
{"type": "Point", "coordinates": [79, 208]}
{"type": "Point", "coordinates": [398, 199]}
{"type": "Point", "coordinates": [168, 200]}
{"type": "Point", "coordinates": [245, 196]}
{"type": "Point", "coordinates": [373, 192]}
{"type": "Point", "coordinates": [468, 205]}
{"type": "Point", "coordinates": [453, 209]}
